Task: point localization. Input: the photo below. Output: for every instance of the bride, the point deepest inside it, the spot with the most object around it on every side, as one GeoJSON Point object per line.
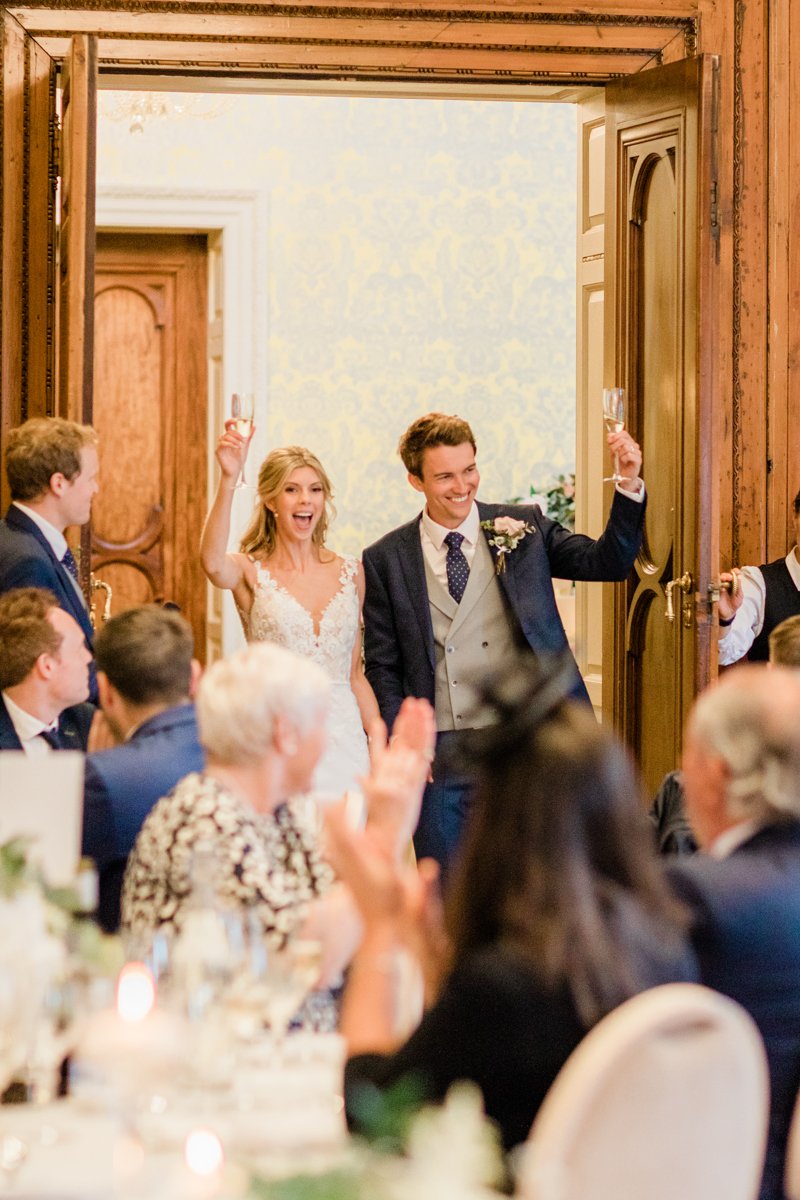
{"type": "Point", "coordinates": [290, 589]}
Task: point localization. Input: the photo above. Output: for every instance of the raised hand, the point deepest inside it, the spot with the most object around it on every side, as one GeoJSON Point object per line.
{"type": "Point", "coordinates": [231, 451]}
{"type": "Point", "coordinates": [628, 455]}
{"type": "Point", "coordinates": [399, 771]}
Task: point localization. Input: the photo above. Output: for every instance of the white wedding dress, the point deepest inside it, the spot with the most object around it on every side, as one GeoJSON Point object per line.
{"type": "Point", "coordinates": [277, 617]}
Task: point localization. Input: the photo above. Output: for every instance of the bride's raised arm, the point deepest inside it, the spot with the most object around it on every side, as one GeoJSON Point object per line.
{"type": "Point", "coordinates": [224, 569]}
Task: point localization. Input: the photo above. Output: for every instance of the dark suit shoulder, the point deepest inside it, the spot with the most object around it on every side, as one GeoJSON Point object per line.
{"type": "Point", "coordinates": [390, 540]}
{"type": "Point", "coordinates": [74, 724]}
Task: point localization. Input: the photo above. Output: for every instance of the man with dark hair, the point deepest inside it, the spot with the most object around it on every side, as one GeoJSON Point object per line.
{"type": "Point", "coordinates": [455, 592]}
{"type": "Point", "coordinates": [52, 470]}
{"type": "Point", "coordinates": [146, 677]}
{"type": "Point", "coordinates": [761, 598]}
{"type": "Point", "coordinates": [44, 675]}
{"type": "Point", "coordinates": [741, 776]}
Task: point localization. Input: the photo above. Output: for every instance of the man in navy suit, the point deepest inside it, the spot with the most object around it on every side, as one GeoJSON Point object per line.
{"type": "Point", "coordinates": [146, 677]}
{"type": "Point", "coordinates": [52, 472]}
{"type": "Point", "coordinates": [44, 675]}
{"type": "Point", "coordinates": [741, 776]}
{"type": "Point", "coordinates": [457, 591]}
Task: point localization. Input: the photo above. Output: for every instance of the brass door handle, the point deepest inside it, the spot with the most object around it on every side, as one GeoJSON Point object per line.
{"type": "Point", "coordinates": [99, 585]}
{"type": "Point", "coordinates": [685, 586]}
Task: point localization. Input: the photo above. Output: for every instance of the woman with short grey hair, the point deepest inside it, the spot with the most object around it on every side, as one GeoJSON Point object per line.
{"type": "Point", "coordinates": [261, 716]}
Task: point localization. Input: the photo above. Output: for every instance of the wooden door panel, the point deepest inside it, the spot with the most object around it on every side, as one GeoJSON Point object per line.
{"type": "Point", "coordinates": [76, 243]}
{"type": "Point", "coordinates": [27, 231]}
{"type": "Point", "coordinates": [150, 412]}
{"type": "Point", "coordinates": [660, 338]}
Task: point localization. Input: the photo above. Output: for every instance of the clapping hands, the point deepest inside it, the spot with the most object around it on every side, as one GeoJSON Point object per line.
{"type": "Point", "coordinates": [398, 773]}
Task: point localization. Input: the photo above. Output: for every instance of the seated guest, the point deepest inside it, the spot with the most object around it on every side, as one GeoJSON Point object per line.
{"type": "Point", "coordinates": [44, 675]}
{"type": "Point", "coordinates": [784, 643]}
{"type": "Point", "coordinates": [668, 811]}
{"type": "Point", "coordinates": [741, 776]}
{"type": "Point", "coordinates": [760, 598]}
{"type": "Point", "coordinates": [556, 913]}
{"type": "Point", "coordinates": [146, 676]}
{"type": "Point", "coordinates": [261, 716]}
{"type": "Point", "coordinates": [52, 471]}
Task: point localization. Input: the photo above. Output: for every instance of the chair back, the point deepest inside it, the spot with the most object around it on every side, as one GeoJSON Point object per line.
{"type": "Point", "coordinates": [666, 1098]}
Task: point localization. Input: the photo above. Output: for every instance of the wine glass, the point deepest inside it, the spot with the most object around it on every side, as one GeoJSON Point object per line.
{"type": "Point", "coordinates": [614, 417]}
{"type": "Point", "coordinates": [242, 413]}
{"type": "Point", "coordinates": [292, 972]}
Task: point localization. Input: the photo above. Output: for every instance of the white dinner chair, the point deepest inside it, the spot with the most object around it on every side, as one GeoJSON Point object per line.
{"type": "Point", "coordinates": [665, 1099]}
{"type": "Point", "coordinates": [791, 1178]}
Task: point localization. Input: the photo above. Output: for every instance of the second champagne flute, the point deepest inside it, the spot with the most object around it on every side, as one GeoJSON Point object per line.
{"type": "Point", "coordinates": [614, 417]}
{"type": "Point", "coordinates": [242, 413]}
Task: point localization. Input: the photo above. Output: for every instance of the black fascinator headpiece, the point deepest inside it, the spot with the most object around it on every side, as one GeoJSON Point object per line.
{"type": "Point", "coordinates": [517, 702]}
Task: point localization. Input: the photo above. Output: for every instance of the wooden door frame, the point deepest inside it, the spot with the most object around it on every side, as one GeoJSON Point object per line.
{"type": "Point", "coordinates": [239, 218]}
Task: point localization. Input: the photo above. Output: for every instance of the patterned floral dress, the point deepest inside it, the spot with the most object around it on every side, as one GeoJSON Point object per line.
{"type": "Point", "coordinates": [267, 862]}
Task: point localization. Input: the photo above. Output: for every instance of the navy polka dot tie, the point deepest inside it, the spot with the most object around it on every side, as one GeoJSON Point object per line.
{"type": "Point", "coordinates": [457, 566]}
{"type": "Point", "coordinates": [68, 562]}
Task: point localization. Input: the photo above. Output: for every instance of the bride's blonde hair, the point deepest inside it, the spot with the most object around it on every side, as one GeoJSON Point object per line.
{"type": "Point", "coordinates": [259, 537]}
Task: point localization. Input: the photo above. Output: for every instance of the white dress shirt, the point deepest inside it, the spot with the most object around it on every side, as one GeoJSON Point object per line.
{"type": "Point", "coordinates": [28, 728]}
{"type": "Point", "coordinates": [432, 536]}
{"type": "Point", "coordinates": [736, 639]}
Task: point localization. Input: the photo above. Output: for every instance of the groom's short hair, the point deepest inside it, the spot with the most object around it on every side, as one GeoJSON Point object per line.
{"type": "Point", "coordinates": [434, 429]}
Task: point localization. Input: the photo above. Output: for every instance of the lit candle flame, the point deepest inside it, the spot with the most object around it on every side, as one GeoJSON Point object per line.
{"type": "Point", "coordinates": [203, 1152]}
{"type": "Point", "coordinates": [136, 993]}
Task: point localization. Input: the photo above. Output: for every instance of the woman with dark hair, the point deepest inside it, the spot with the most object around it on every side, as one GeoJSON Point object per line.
{"type": "Point", "coordinates": [557, 912]}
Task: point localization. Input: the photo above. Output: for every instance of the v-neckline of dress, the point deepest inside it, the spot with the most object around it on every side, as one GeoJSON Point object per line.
{"type": "Point", "coordinates": [316, 629]}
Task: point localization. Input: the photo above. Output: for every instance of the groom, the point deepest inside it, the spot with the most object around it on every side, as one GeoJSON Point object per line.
{"type": "Point", "coordinates": [440, 611]}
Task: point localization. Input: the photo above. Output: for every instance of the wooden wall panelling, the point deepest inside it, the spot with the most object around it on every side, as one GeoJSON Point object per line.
{"type": "Point", "coordinates": [792, 199]}
{"type": "Point", "coordinates": [40, 223]}
{"type": "Point", "coordinates": [12, 130]}
{"type": "Point", "coordinates": [778, 201]}
{"type": "Point", "coordinates": [27, 204]}
{"type": "Point", "coordinates": [76, 262]}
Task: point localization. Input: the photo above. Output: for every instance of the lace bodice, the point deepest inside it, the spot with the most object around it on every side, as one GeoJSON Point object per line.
{"type": "Point", "coordinates": [277, 617]}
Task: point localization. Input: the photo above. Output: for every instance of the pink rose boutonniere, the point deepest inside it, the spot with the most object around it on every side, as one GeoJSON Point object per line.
{"type": "Point", "coordinates": [505, 534]}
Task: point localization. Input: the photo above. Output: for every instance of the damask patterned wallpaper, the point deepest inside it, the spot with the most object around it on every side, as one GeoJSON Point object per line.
{"type": "Point", "coordinates": [420, 256]}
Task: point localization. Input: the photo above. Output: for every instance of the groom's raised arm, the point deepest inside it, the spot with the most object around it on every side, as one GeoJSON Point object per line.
{"type": "Point", "coordinates": [383, 656]}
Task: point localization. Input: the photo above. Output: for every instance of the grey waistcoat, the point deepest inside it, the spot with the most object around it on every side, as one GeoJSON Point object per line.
{"type": "Point", "coordinates": [470, 638]}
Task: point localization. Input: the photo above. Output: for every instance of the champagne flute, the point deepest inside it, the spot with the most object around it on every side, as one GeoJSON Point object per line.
{"type": "Point", "coordinates": [614, 417]}
{"type": "Point", "coordinates": [242, 412]}
{"type": "Point", "coordinates": [292, 973]}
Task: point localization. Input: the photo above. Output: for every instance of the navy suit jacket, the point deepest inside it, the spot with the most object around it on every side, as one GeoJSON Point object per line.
{"type": "Point", "coordinates": [73, 727]}
{"type": "Point", "coordinates": [122, 785]}
{"type": "Point", "coordinates": [746, 933]}
{"type": "Point", "coordinates": [398, 632]}
{"type": "Point", "coordinates": [27, 560]}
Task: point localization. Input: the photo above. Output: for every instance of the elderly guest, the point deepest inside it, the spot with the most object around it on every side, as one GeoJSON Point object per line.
{"type": "Point", "coordinates": [261, 716]}
{"type": "Point", "coordinates": [557, 913]}
{"type": "Point", "coordinates": [741, 777]}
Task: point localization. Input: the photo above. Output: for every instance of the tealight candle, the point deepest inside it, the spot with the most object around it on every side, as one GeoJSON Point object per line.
{"type": "Point", "coordinates": [134, 1042]}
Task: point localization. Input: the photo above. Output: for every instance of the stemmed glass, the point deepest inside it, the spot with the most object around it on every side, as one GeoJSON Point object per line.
{"type": "Point", "coordinates": [292, 973]}
{"type": "Point", "coordinates": [242, 413]}
{"type": "Point", "coordinates": [614, 417]}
